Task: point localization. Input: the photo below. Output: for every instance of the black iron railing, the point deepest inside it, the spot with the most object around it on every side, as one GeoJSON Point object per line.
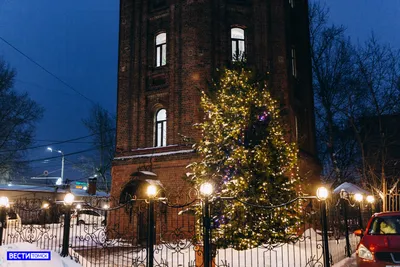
{"type": "Point", "coordinates": [174, 230]}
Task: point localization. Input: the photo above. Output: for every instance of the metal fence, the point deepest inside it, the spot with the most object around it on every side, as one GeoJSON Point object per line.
{"type": "Point", "coordinates": [164, 232]}
{"type": "Point", "coordinates": [393, 198]}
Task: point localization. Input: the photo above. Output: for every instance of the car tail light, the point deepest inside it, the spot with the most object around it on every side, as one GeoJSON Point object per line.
{"type": "Point", "coordinates": [364, 253]}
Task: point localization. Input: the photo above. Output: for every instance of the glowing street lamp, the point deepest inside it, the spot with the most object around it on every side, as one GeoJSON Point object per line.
{"type": "Point", "coordinates": [358, 197]}
{"type": "Point", "coordinates": [206, 189]}
{"type": "Point", "coordinates": [370, 199]}
{"type": "Point", "coordinates": [322, 193]}
{"type": "Point", "coordinates": [69, 199]}
{"type": "Point", "coordinates": [151, 191]}
{"type": "Point", "coordinates": [4, 202]}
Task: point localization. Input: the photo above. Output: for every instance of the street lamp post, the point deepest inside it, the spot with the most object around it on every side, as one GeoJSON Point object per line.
{"type": "Point", "coordinates": [151, 193]}
{"type": "Point", "coordinates": [322, 195]}
{"type": "Point", "coordinates": [359, 198]}
{"type": "Point", "coordinates": [106, 207]}
{"type": "Point", "coordinates": [78, 207]}
{"type": "Point", "coordinates": [371, 201]}
{"type": "Point", "coordinates": [344, 198]}
{"type": "Point", "coordinates": [206, 189]}
{"type": "Point", "coordinates": [68, 201]}
{"type": "Point", "coordinates": [45, 207]}
{"type": "Point", "coordinates": [62, 163]}
{"type": "Point", "coordinates": [3, 205]}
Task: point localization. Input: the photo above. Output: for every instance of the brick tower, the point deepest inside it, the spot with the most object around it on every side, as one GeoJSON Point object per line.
{"type": "Point", "coordinates": [170, 49]}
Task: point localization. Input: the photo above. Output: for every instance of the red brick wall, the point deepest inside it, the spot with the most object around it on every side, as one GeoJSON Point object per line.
{"type": "Point", "coordinates": [169, 224]}
{"type": "Point", "coordinates": [198, 41]}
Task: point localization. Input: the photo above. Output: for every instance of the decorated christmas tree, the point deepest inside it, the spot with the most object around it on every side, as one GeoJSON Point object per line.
{"type": "Point", "coordinates": [246, 155]}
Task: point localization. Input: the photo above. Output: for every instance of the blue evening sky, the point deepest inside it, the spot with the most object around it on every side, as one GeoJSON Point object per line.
{"type": "Point", "coordinates": [77, 40]}
{"type": "Point", "coordinates": [361, 17]}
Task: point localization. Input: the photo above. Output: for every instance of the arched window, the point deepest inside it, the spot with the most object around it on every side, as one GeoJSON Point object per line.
{"type": "Point", "coordinates": [161, 49]}
{"type": "Point", "coordinates": [238, 44]}
{"type": "Point", "coordinates": [161, 128]}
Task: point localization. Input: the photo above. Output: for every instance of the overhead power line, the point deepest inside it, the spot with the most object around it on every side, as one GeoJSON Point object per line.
{"type": "Point", "coordinates": [47, 71]}
{"type": "Point", "coordinates": [55, 143]}
{"type": "Point", "coordinates": [68, 154]}
{"type": "Point", "coordinates": [70, 142]}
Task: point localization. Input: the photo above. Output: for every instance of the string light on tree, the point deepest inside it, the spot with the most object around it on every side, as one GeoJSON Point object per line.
{"type": "Point", "coordinates": [245, 154]}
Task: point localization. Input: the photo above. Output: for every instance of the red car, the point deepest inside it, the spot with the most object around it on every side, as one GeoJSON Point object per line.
{"type": "Point", "coordinates": [380, 243]}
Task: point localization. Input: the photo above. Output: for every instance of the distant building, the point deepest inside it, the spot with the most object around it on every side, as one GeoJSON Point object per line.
{"type": "Point", "coordinates": [16, 191]}
{"type": "Point", "coordinates": [169, 49]}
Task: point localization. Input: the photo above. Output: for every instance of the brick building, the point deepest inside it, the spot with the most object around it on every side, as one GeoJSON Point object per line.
{"type": "Point", "coordinates": [170, 49]}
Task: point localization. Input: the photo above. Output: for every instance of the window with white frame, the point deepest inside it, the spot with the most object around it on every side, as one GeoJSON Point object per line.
{"type": "Point", "coordinates": [161, 49]}
{"type": "Point", "coordinates": [161, 128]}
{"type": "Point", "coordinates": [294, 67]}
{"type": "Point", "coordinates": [238, 44]}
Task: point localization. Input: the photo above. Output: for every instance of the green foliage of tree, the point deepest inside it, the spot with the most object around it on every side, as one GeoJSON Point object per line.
{"type": "Point", "coordinates": [244, 152]}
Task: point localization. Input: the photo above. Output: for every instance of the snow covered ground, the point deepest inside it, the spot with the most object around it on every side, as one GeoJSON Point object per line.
{"type": "Point", "coordinates": [87, 247]}
{"type": "Point", "coordinates": [306, 252]}
{"type": "Point", "coordinates": [56, 259]}
{"type": "Point", "coordinates": [347, 262]}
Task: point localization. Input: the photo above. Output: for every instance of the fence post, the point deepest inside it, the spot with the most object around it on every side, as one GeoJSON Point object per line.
{"type": "Point", "coordinates": [150, 234]}
{"type": "Point", "coordinates": [360, 222]}
{"type": "Point", "coordinates": [206, 233]}
{"type": "Point", "coordinates": [344, 206]}
{"type": "Point", "coordinates": [2, 222]}
{"type": "Point", "coordinates": [4, 203]}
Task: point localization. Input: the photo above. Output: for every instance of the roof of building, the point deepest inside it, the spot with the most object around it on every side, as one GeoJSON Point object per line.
{"type": "Point", "coordinates": [350, 188]}
{"type": "Point", "coordinates": [48, 189]}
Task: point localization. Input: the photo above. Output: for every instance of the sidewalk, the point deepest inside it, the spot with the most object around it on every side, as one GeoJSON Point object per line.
{"type": "Point", "coordinates": [347, 262]}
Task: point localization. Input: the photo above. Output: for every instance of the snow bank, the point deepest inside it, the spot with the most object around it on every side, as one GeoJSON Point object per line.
{"type": "Point", "coordinates": [347, 262]}
{"type": "Point", "coordinates": [56, 259]}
